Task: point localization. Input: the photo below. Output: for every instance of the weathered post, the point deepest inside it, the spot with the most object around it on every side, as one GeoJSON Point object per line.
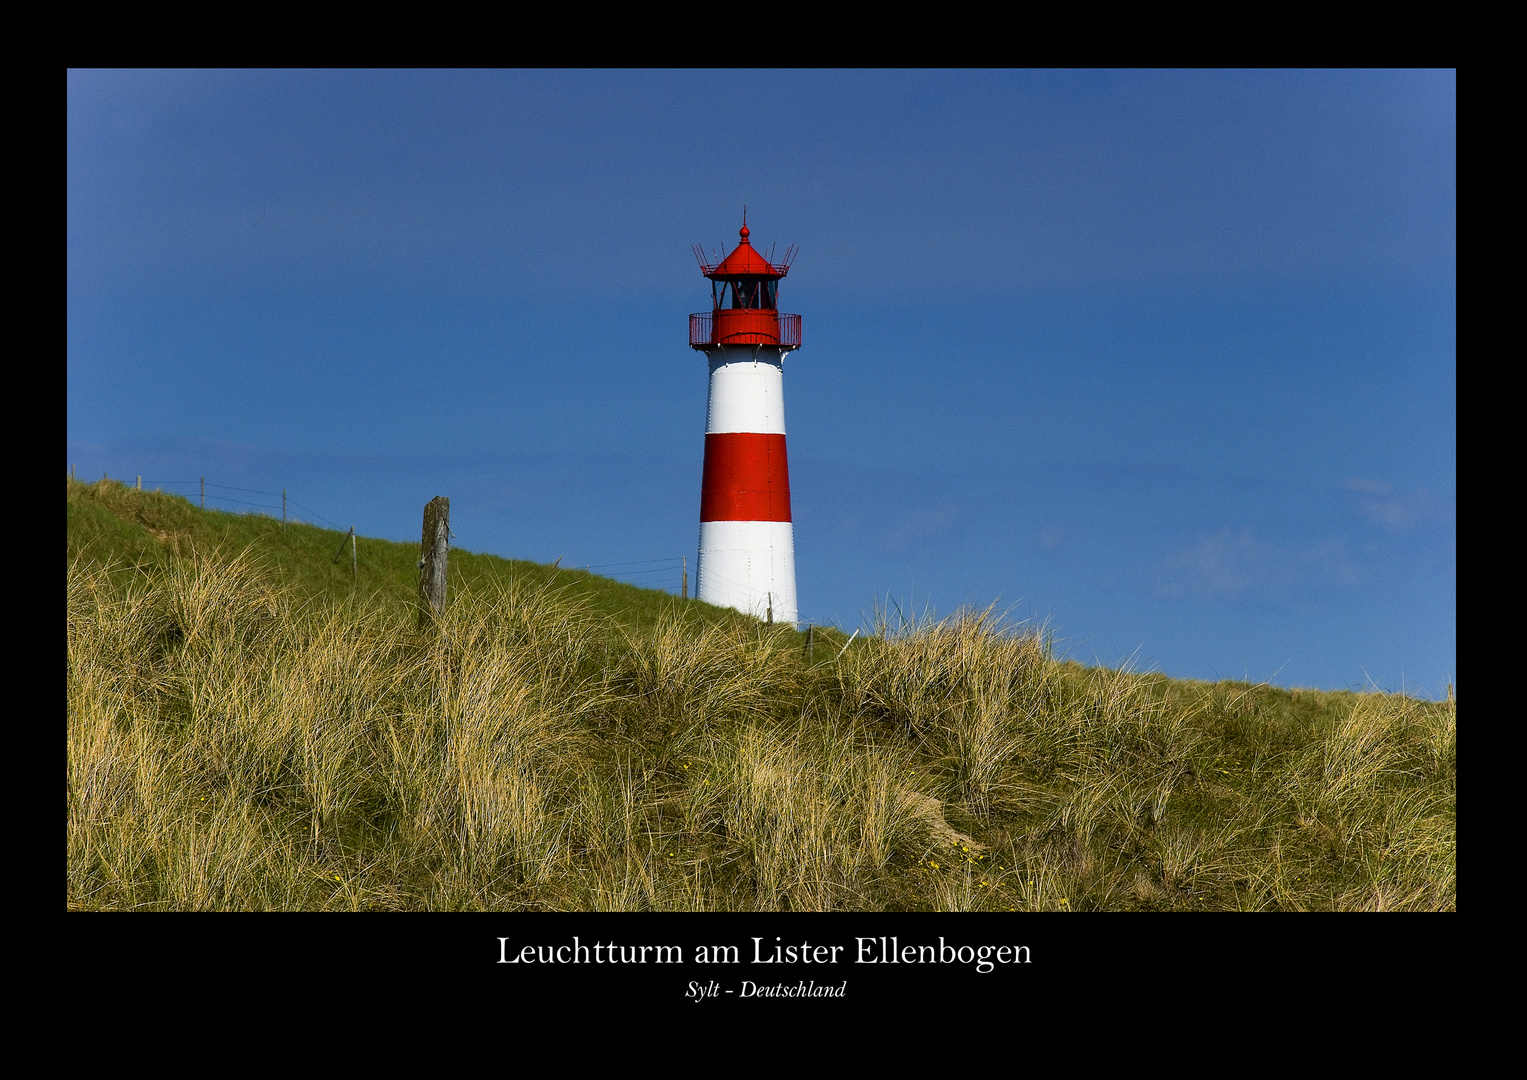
{"type": "Point", "coordinates": [433, 546]}
{"type": "Point", "coordinates": [684, 581]}
{"type": "Point", "coordinates": [204, 493]}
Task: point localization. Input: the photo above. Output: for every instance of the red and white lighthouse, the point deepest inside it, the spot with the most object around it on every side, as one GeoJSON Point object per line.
{"type": "Point", "coordinates": [747, 545]}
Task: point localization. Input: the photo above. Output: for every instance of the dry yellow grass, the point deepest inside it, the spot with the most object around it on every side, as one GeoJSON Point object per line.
{"type": "Point", "coordinates": [232, 748]}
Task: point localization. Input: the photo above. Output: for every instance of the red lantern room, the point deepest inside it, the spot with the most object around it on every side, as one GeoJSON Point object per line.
{"type": "Point", "coordinates": [744, 301]}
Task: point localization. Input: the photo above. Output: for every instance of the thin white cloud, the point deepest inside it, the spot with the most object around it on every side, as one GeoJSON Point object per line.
{"type": "Point", "coordinates": [1367, 487]}
{"type": "Point", "coordinates": [1239, 565]}
{"type": "Point", "coordinates": [1394, 511]}
{"type": "Point", "coordinates": [917, 525]}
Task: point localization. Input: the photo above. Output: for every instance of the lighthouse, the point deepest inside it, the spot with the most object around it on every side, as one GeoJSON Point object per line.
{"type": "Point", "coordinates": [747, 545]}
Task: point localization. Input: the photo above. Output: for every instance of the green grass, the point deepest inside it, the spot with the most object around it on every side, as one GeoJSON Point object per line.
{"type": "Point", "coordinates": [148, 530]}
{"type": "Point", "coordinates": [249, 727]}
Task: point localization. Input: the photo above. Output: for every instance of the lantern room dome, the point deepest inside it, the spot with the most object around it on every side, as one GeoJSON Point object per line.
{"type": "Point", "coordinates": [744, 261]}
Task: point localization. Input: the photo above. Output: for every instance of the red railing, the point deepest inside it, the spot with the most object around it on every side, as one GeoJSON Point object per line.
{"type": "Point", "coordinates": [744, 326]}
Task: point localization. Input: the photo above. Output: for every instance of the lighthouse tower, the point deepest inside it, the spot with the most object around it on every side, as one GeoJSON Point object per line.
{"type": "Point", "coordinates": [747, 546]}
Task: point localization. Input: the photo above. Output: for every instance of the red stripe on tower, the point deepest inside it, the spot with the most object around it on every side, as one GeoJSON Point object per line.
{"type": "Point", "coordinates": [746, 478]}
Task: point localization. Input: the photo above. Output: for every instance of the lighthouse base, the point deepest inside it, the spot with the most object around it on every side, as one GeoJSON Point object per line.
{"type": "Point", "coordinates": [749, 566]}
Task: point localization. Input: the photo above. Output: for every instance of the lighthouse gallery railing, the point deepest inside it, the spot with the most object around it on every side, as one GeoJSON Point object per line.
{"type": "Point", "coordinates": [702, 330]}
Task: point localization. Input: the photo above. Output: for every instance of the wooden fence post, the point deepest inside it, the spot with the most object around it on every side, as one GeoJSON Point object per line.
{"type": "Point", "coordinates": [204, 493]}
{"type": "Point", "coordinates": [433, 548]}
{"type": "Point", "coordinates": [684, 582]}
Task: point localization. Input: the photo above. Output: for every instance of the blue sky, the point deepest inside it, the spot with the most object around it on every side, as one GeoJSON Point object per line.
{"type": "Point", "coordinates": [1164, 360]}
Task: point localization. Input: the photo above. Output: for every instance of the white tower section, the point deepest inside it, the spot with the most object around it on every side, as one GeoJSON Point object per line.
{"type": "Point", "coordinates": [747, 542]}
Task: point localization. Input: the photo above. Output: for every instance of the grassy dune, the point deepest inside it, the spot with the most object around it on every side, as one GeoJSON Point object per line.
{"type": "Point", "coordinates": [251, 728]}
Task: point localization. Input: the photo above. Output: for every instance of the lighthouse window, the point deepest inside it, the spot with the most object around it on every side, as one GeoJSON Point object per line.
{"type": "Point", "coordinates": [747, 294]}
